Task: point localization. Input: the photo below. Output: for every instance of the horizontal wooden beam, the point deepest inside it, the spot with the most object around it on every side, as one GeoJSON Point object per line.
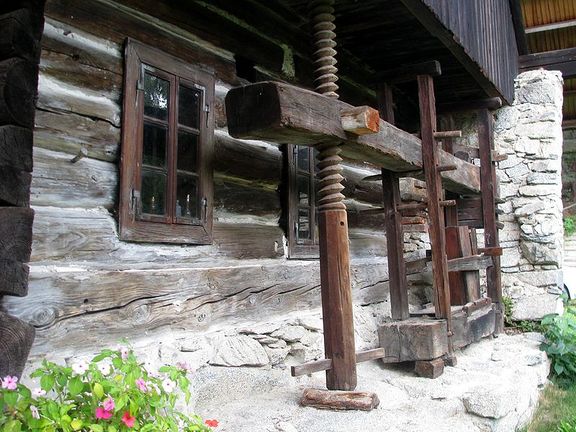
{"type": "Point", "coordinates": [409, 72]}
{"type": "Point", "coordinates": [549, 27]}
{"type": "Point", "coordinates": [471, 105]}
{"type": "Point", "coordinates": [563, 60]}
{"type": "Point", "coordinates": [469, 263]}
{"type": "Point", "coordinates": [287, 114]}
{"type": "Point", "coordinates": [325, 364]}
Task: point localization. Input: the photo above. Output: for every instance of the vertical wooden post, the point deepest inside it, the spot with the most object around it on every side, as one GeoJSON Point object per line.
{"type": "Point", "coordinates": [393, 222]}
{"type": "Point", "coordinates": [337, 315]}
{"type": "Point", "coordinates": [488, 184]}
{"type": "Point", "coordinates": [434, 189]}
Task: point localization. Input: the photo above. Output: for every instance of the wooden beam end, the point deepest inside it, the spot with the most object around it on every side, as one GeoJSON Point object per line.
{"type": "Point", "coordinates": [362, 120]}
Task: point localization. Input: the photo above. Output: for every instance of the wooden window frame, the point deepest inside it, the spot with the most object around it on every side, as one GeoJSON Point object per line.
{"type": "Point", "coordinates": [133, 226]}
{"type": "Point", "coordinates": [298, 249]}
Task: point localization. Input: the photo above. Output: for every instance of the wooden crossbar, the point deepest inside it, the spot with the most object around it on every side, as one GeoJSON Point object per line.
{"type": "Point", "coordinates": [326, 364]}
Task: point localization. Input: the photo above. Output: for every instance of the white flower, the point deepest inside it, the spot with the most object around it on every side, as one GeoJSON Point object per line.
{"type": "Point", "coordinates": [80, 367]}
{"type": "Point", "coordinates": [104, 368]}
{"type": "Point", "coordinates": [168, 385]}
{"type": "Point", "coordinates": [34, 412]}
{"type": "Point", "coordinates": [38, 392]}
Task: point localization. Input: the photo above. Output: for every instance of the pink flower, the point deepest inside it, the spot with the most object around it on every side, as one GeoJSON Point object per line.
{"type": "Point", "coordinates": [10, 382]}
{"type": "Point", "coordinates": [108, 404]}
{"type": "Point", "coordinates": [102, 414]}
{"type": "Point", "coordinates": [124, 352]}
{"type": "Point", "coordinates": [38, 392]}
{"type": "Point", "coordinates": [141, 384]}
{"type": "Point", "coordinates": [211, 423]}
{"type": "Point", "coordinates": [104, 368]}
{"type": "Point", "coordinates": [128, 420]}
{"type": "Point", "coordinates": [183, 366]}
{"type": "Point", "coordinates": [34, 411]}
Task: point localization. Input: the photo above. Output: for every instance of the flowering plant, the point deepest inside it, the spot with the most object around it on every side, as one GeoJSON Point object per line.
{"type": "Point", "coordinates": [112, 393]}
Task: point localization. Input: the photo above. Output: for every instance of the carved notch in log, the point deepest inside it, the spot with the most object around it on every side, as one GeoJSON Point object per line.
{"type": "Point", "coordinates": [16, 147]}
{"type": "Point", "coordinates": [16, 338]}
{"type": "Point", "coordinates": [16, 233]}
{"type": "Point", "coordinates": [14, 279]}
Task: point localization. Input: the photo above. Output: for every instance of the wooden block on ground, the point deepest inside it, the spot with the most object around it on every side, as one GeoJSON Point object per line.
{"type": "Point", "coordinates": [471, 327]}
{"type": "Point", "coordinates": [429, 368]}
{"type": "Point", "coordinates": [339, 400]}
{"type": "Point", "coordinates": [414, 339]}
{"type": "Point", "coordinates": [450, 359]}
{"type": "Point", "coordinates": [13, 278]}
{"type": "Point", "coordinates": [16, 338]}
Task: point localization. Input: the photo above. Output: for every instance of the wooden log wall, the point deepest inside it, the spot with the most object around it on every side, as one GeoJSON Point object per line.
{"type": "Point", "coordinates": [88, 288]}
{"type": "Point", "coordinates": [21, 28]}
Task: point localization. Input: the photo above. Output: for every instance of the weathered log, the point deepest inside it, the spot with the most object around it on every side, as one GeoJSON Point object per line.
{"type": "Point", "coordinates": [82, 307]}
{"type": "Point", "coordinates": [340, 400]}
{"type": "Point", "coordinates": [17, 38]}
{"type": "Point", "coordinates": [16, 147]}
{"type": "Point", "coordinates": [13, 278]}
{"type": "Point", "coordinates": [16, 339]}
{"type": "Point", "coordinates": [14, 186]}
{"type": "Point", "coordinates": [288, 114]}
{"type": "Point", "coordinates": [18, 82]}
{"type": "Point", "coordinates": [16, 233]}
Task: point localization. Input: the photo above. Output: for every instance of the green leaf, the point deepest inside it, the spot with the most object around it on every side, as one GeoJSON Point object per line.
{"type": "Point", "coordinates": [76, 424]}
{"type": "Point", "coordinates": [75, 386]}
{"type": "Point", "coordinates": [112, 429]}
{"type": "Point", "coordinates": [13, 426]}
{"type": "Point", "coordinates": [11, 398]}
{"type": "Point", "coordinates": [558, 368]}
{"type": "Point", "coordinates": [47, 382]}
{"type": "Point", "coordinates": [98, 390]}
{"type": "Point", "coordinates": [96, 428]}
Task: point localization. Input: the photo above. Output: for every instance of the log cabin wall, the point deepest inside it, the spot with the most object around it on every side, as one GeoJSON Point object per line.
{"type": "Point", "coordinates": [87, 288]}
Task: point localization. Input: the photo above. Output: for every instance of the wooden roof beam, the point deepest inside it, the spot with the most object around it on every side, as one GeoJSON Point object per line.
{"type": "Point", "coordinates": [287, 114]}
{"type": "Point", "coordinates": [563, 60]}
{"type": "Point", "coordinates": [552, 26]}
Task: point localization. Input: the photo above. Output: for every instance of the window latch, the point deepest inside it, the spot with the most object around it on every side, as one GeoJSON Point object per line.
{"type": "Point", "coordinates": [135, 204]}
{"type": "Point", "coordinates": [207, 111]}
{"type": "Point", "coordinates": [140, 82]}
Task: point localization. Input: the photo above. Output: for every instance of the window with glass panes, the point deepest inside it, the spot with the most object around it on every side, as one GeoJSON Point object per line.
{"type": "Point", "coordinates": [166, 175]}
{"type": "Point", "coordinates": [303, 212]}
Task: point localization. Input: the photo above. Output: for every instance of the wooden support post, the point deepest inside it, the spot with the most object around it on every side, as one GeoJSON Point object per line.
{"type": "Point", "coordinates": [434, 187]}
{"type": "Point", "coordinates": [488, 181]}
{"type": "Point", "coordinates": [393, 222]}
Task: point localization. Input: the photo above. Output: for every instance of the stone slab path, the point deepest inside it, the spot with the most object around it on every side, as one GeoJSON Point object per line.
{"type": "Point", "coordinates": [494, 387]}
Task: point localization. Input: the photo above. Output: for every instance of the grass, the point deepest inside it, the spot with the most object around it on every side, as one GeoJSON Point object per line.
{"type": "Point", "coordinates": [556, 405]}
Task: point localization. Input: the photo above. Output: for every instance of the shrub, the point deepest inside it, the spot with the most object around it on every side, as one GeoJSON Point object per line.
{"type": "Point", "coordinates": [569, 225]}
{"type": "Point", "coordinates": [112, 393]}
{"type": "Point", "coordinates": [560, 344]}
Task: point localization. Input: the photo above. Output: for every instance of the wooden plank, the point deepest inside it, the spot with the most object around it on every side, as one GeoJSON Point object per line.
{"type": "Point", "coordinates": [339, 344]}
{"type": "Point", "coordinates": [16, 147]}
{"type": "Point", "coordinates": [552, 26]}
{"type": "Point", "coordinates": [393, 223]}
{"type": "Point", "coordinates": [16, 339]}
{"type": "Point", "coordinates": [14, 186]}
{"type": "Point", "coordinates": [488, 177]}
{"type": "Point", "coordinates": [287, 114]}
{"type": "Point", "coordinates": [563, 60]}
{"type": "Point", "coordinates": [18, 82]}
{"type": "Point", "coordinates": [339, 400]}
{"type": "Point", "coordinates": [409, 73]}
{"type": "Point", "coordinates": [469, 263]}
{"type": "Point", "coordinates": [456, 280]}
{"type": "Point", "coordinates": [518, 21]}
{"type": "Point", "coordinates": [433, 185]}
{"type": "Point", "coordinates": [326, 364]}
{"type": "Point", "coordinates": [16, 233]}
{"type": "Point", "coordinates": [18, 39]}
{"type": "Point", "coordinates": [14, 279]}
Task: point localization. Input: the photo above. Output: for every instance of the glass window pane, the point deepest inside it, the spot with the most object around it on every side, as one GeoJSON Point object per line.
{"type": "Point", "coordinates": [303, 225]}
{"type": "Point", "coordinates": [156, 96]}
{"type": "Point", "coordinates": [187, 151]}
{"type": "Point", "coordinates": [303, 190]}
{"type": "Point", "coordinates": [153, 192]}
{"type": "Point", "coordinates": [187, 197]}
{"type": "Point", "coordinates": [189, 106]}
{"type": "Point", "coordinates": [154, 148]}
{"type": "Point", "coordinates": [303, 157]}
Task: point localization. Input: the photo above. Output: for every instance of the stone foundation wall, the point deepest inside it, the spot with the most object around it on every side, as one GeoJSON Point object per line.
{"type": "Point", "coordinates": [530, 133]}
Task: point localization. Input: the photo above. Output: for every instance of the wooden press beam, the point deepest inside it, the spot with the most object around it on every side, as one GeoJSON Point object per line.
{"type": "Point", "coordinates": [393, 222]}
{"type": "Point", "coordinates": [284, 113]}
{"type": "Point", "coordinates": [563, 60]}
{"type": "Point", "coordinates": [433, 186]}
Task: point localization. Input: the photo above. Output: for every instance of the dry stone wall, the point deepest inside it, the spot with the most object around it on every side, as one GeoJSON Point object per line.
{"type": "Point", "coordinates": [530, 133]}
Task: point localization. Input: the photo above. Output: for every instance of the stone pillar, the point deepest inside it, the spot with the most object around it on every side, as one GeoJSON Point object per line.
{"type": "Point", "coordinates": [530, 133]}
